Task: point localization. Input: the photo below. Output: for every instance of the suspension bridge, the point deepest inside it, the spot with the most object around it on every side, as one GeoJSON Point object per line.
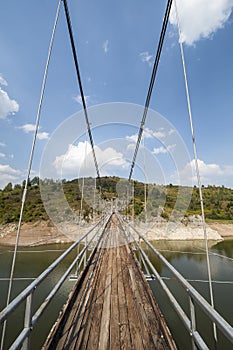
{"type": "Point", "coordinates": [111, 305]}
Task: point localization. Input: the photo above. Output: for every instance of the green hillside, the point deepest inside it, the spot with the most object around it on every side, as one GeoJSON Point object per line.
{"type": "Point", "coordinates": [161, 200]}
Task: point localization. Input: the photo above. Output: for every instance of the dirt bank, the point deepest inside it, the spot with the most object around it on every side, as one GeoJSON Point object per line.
{"type": "Point", "coordinates": [31, 234]}
{"type": "Point", "coordinates": [225, 230]}
{"type": "Point", "coordinates": [179, 231]}
{"type": "Point", "coordinates": [44, 232]}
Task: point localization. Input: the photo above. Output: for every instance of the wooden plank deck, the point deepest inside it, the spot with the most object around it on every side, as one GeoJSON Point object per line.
{"type": "Point", "coordinates": [111, 305]}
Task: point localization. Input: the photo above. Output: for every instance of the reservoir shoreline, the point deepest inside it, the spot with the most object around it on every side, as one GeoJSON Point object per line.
{"type": "Point", "coordinates": [43, 232]}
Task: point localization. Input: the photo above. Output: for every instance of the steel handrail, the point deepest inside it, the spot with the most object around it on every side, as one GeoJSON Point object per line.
{"type": "Point", "coordinates": [24, 335]}
{"type": "Point", "coordinates": [23, 338]}
{"type": "Point", "coordinates": [28, 290]}
{"type": "Point", "coordinates": [222, 324]}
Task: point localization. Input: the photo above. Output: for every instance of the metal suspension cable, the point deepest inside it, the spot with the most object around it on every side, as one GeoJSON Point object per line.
{"type": "Point", "coordinates": [133, 203]}
{"type": "Point", "coordinates": [30, 166]}
{"type": "Point", "coordinates": [33, 251]}
{"type": "Point", "coordinates": [153, 76]}
{"type": "Point", "coordinates": [227, 258]}
{"type": "Point", "coordinates": [81, 204]}
{"type": "Point", "coordinates": [68, 20]}
{"type": "Point", "coordinates": [83, 182]}
{"type": "Point", "coordinates": [173, 278]}
{"type": "Point", "coordinates": [196, 168]}
{"type": "Point", "coordinates": [198, 280]}
{"type": "Point", "coordinates": [94, 199]}
{"type": "Point", "coordinates": [145, 179]}
{"type": "Point", "coordinates": [145, 187]}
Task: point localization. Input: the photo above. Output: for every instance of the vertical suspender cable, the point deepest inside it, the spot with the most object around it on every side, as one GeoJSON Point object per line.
{"type": "Point", "coordinates": [29, 166]}
{"type": "Point", "coordinates": [81, 204]}
{"type": "Point", "coordinates": [85, 163]}
{"type": "Point", "coordinates": [83, 182]}
{"type": "Point", "coordinates": [153, 76]}
{"type": "Point", "coordinates": [68, 20]}
{"type": "Point", "coordinates": [145, 179]}
{"type": "Point", "coordinates": [145, 190]}
{"type": "Point", "coordinates": [197, 169]}
{"type": "Point", "coordinates": [94, 200]}
{"type": "Point", "coordinates": [133, 204]}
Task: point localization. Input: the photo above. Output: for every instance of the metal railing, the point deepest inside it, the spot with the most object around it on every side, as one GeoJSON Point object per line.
{"type": "Point", "coordinates": [195, 298]}
{"type": "Point", "coordinates": [30, 319]}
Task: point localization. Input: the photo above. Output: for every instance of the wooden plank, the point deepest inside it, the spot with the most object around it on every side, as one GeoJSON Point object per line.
{"type": "Point", "coordinates": [125, 338]}
{"type": "Point", "coordinates": [84, 325]}
{"type": "Point", "coordinates": [159, 330]}
{"type": "Point", "coordinates": [148, 318]}
{"type": "Point", "coordinates": [141, 314]}
{"type": "Point", "coordinates": [106, 313]}
{"type": "Point", "coordinates": [114, 324]}
{"type": "Point", "coordinates": [64, 322]}
{"type": "Point", "coordinates": [91, 340]}
{"type": "Point", "coordinates": [114, 307]}
{"type": "Point", "coordinates": [92, 332]}
{"type": "Point", "coordinates": [165, 340]}
{"type": "Point", "coordinates": [136, 336]}
{"type": "Point", "coordinates": [76, 325]}
{"type": "Point", "coordinates": [141, 285]}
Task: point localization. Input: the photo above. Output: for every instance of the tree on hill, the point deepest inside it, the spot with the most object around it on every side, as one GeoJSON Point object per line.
{"type": "Point", "coordinates": [161, 200]}
{"type": "Point", "coordinates": [8, 187]}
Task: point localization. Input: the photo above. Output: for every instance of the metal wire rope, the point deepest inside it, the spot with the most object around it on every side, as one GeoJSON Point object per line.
{"type": "Point", "coordinates": [29, 167]}
{"type": "Point", "coordinates": [197, 169]}
{"type": "Point", "coordinates": [153, 76]}
{"type": "Point", "coordinates": [68, 20]}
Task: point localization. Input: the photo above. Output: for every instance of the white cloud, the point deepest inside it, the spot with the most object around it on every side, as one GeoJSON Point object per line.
{"type": "Point", "coordinates": [146, 58]}
{"type": "Point", "coordinates": [9, 170]}
{"type": "Point", "coordinates": [159, 134]}
{"type": "Point", "coordinates": [78, 99]}
{"type": "Point", "coordinates": [2, 155]}
{"type": "Point", "coordinates": [106, 46]}
{"type": "Point", "coordinates": [131, 146]}
{"type": "Point", "coordinates": [201, 18]}
{"type": "Point", "coordinates": [3, 81]}
{"type": "Point", "coordinates": [171, 131]}
{"type": "Point", "coordinates": [74, 157]}
{"type": "Point", "coordinates": [210, 173]}
{"type": "Point", "coordinates": [75, 161]}
{"type": "Point", "coordinates": [2, 144]}
{"type": "Point", "coordinates": [207, 169]}
{"type": "Point", "coordinates": [7, 106]}
{"type": "Point", "coordinates": [163, 150]}
{"type": "Point", "coordinates": [28, 128]}
{"type": "Point", "coordinates": [148, 134]}
{"type": "Point", "coordinates": [43, 135]}
{"type": "Point", "coordinates": [132, 138]}
{"type": "Point", "coordinates": [159, 150]}
{"type": "Point", "coordinates": [8, 174]}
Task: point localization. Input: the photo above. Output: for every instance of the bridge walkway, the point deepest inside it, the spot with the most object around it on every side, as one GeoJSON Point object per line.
{"type": "Point", "coordinates": [111, 305]}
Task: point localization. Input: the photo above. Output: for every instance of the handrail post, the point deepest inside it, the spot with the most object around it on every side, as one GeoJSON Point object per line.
{"type": "Point", "coordinates": [77, 264]}
{"type": "Point", "coordinates": [28, 321]}
{"type": "Point", "coordinates": [139, 244]}
{"type": "Point", "coordinates": [192, 321]}
{"type": "Point", "coordinates": [85, 256]}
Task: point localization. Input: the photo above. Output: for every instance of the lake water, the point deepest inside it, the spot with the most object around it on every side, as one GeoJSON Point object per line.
{"type": "Point", "coordinates": [187, 257]}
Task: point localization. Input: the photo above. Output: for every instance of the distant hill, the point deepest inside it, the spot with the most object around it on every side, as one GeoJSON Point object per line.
{"type": "Point", "coordinates": [161, 200]}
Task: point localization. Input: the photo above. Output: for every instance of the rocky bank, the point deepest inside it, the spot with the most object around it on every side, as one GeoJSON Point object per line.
{"type": "Point", "coordinates": [43, 232]}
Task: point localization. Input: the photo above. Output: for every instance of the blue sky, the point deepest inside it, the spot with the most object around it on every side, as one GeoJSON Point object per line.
{"type": "Point", "coordinates": [116, 45]}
